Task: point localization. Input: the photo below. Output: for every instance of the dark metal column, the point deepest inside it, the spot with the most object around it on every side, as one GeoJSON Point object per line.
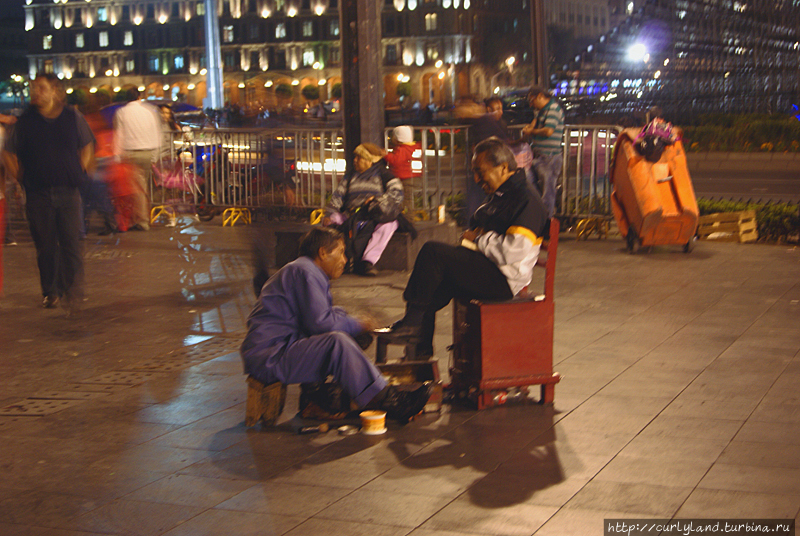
{"type": "Point", "coordinates": [362, 86]}
{"type": "Point", "coordinates": [541, 76]}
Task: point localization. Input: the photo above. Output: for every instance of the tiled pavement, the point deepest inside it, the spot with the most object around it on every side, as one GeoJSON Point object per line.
{"type": "Point", "coordinates": [679, 399]}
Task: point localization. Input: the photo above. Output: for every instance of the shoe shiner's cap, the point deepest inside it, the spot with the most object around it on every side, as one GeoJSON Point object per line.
{"type": "Point", "coordinates": [404, 134]}
{"type": "Point", "coordinates": [373, 422]}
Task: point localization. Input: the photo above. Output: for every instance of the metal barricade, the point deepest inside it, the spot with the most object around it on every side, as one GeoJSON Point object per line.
{"type": "Point", "coordinates": [300, 166]}
{"type": "Point", "coordinates": [249, 168]}
{"type": "Point", "coordinates": [586, 171]}
{"type": "Point", "coordinates": [441, 164]}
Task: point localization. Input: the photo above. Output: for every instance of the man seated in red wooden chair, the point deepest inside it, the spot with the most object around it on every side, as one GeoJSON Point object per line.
{"type": "Point", "coordinates": [497, 253]}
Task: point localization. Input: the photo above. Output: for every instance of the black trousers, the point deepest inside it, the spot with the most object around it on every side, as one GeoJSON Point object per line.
{"type": "Point", "coordinates": [55, 219]}
{"type": "Point", "coordinates": [443, 272]}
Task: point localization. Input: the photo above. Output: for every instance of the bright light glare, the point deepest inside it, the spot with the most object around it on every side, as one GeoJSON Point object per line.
{"type": "Point", "coordinates": [637, 52]}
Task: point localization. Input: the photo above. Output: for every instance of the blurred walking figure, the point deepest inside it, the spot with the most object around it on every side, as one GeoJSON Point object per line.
{"type": "Point", "coordinates": [137, 140]}
{"type": "Point", "coordinates": [486, 121]}
{"type": "Point", "coordinates": [4, 119]}
{"type": "Point", "coordinates": [50, 152]}
{"type": "Point", "coordinates": [547, 131]}
{"type": "Point", "coordinates": [96, 191]}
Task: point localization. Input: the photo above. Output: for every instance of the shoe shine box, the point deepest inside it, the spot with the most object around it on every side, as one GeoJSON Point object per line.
{"type": "Point", "coordinates": [415, 372]}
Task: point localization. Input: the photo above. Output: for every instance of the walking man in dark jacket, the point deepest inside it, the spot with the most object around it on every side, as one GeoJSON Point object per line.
{"type": "Point", "coordinates": [52, 149]}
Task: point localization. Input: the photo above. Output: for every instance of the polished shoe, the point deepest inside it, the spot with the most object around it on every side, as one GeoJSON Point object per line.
{"type": "Point", "coordinates": [403, 405]}
{"type": "Point", "coordinates": [366, 269]}
{"type": "Point", "coordinates": [398, 330]}
{"type": "Point", "coordinates": [50, 302]}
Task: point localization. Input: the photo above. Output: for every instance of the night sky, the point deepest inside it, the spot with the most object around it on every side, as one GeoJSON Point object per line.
{"type": "Point", "coordinates": [11, 8]}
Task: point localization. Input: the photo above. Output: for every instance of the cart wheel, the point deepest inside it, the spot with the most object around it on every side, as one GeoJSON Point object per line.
{"type": "Point", "coordinates": [689, 246]}
{"type": "Point", "coordinates": [634, 244]}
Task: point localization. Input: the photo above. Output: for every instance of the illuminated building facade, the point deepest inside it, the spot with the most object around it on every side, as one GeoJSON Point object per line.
{"type": "Point", "coordinates": [159, 46]}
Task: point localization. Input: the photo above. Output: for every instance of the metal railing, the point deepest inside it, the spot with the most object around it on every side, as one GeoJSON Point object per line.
{"type": "Point", "coordinates": [254, 168]}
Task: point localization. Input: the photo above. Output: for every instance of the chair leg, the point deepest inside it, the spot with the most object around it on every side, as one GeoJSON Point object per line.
{"type": "Point", "coordinates": [548, 393]}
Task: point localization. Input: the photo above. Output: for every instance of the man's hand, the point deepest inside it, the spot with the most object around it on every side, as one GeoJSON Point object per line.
{"type": "Point", "coordinates": [472, 234]}
{"type": "Point", "coordinates": [367, 321]}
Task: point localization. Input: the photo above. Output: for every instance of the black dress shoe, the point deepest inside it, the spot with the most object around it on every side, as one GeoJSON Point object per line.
{"type": "Point", "coordinates": [398, 330]}
{"type": "Point", "coordinates": [50, 302]}
{"type": "Point", "coordinates": [402, 405]}
{"type": "Point", "coordinates": [366, 269]}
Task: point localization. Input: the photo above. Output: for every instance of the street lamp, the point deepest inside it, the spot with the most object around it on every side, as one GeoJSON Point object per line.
{"type": "Point", "coordinates": [509, 64]}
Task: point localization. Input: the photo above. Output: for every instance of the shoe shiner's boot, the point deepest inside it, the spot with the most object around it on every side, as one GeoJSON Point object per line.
{"type": "Point", "coordinates": [402, 405]}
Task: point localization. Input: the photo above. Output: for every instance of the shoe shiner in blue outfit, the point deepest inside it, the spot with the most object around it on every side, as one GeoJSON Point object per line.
{"type": "Point", "coordinates": [296, 335]}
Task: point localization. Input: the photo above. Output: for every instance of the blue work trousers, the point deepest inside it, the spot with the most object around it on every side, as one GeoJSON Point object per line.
{"type": "Point", "coordinates": [329, 354]}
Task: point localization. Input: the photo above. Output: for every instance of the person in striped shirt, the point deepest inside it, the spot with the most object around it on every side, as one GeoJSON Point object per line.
{"type": "Point", "coordinates": [546, 133]}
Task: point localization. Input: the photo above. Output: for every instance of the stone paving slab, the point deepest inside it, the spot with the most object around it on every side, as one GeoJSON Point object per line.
{"type": "Point", "coordinates": [678, 399]}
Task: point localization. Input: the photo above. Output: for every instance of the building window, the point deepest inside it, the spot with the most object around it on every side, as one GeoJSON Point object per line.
{"type": "Point", "coordinates": [176, 11]}
{"type": "Point", "coordinates": [308, 57]}
{"type": "Point", "coordinates": [152, 63]}
{"type": "Point", "coordinates": [200, 9]}
{"type": "Point", "coordinates": [130, 65]}
{"type": "Point", "coordinates": [103, 39]}
{"type": "Point", "coordinates": [79, 40]}
{"type": "Point", "coordinates": [227, 34]}
{"type": "Point", "coordinates": [102, 14]}
{"type": "Point", "coordinates": [430, 22]}
{"type": "Point", "coordinates": [127, 38]}
{"type": "Point", "coordinates": [151, 12]}
{"type": "Point", "coordinates": [47, 42]}
{"type": "Point", "coordinates": [391, 54]}
{"type": "Point", "coordinates": [389, 26]}
{"type": "Point", "coordinates": [230, 60]}
{"type": "Point", "coordinates": [177, 61]}
{"type": "Point", "coordinates": [254, 31]}
{"type": "Point", "coordinates": [334, 28]}
{"type": "Point", "coordinates": [280, 30]}
{"type": "Point", "coordinates": [305, 4]}
{"type": "Point", "coordinates": [335, 56]}
{"type": "Point", "coordinates": [433, 52]}
{"type": "Point", "coordinates": [308, 28]}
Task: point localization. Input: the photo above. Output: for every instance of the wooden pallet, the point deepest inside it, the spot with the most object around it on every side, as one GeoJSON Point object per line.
{"type": "Point", "coordinates": [728, 227]}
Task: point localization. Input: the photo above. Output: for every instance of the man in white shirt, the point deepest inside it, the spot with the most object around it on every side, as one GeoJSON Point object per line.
{"type": "Point", "coordinates": [137, 140]}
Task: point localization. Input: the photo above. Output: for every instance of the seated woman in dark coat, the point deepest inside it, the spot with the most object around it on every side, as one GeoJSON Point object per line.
{"type": "Point", "coordinates": [366, 206]}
